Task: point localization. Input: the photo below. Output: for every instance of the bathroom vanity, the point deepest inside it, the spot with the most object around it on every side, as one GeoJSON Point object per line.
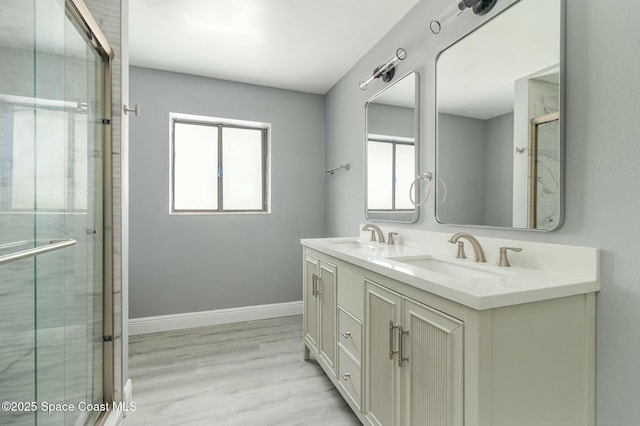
{"type": "Point", "coordinates": [412, 336]}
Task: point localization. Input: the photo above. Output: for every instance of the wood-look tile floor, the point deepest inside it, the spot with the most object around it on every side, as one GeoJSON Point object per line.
{"type": "Point", "coordinates": [250, 373]}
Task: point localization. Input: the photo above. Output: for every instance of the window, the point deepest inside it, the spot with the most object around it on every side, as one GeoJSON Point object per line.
{"type": "Point", "coordinates": [218, 165]}
{"type": "Point", "coordinates": [393, 159]}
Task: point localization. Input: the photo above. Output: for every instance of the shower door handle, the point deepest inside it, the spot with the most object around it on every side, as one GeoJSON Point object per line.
{"type": "Point", "coordinates": [24, 254]}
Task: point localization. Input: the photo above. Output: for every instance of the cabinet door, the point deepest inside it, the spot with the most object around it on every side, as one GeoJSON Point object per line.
{"type": "Point", "coordinates": [382, 375]}
{"type": "Point", "coordinates": [311, 269]}
{"type": "Point", "coordinates": [432, 373]}
{"type": "Point", "coordinates": [327, 305]}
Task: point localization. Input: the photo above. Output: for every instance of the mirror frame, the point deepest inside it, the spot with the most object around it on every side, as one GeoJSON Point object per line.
{"type": "Point", "coordinates": [416, 130]}
{"type": "Point", "coordinates": [561, 132]}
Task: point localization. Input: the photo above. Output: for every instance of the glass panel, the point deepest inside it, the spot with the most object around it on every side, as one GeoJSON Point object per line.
{"type": "Point", "coordinates": [68, 156]}
{"type": "Point", "coordinates": [79, 159]}
{"type": "Point", "coordinates": [84, 82]}
{"type": "Point", "coordinates": [51, 156]}
{"type": "Point", "coordinates": [17, 317]}
{"type": "Point", "coordinates": [195, 167]}
{"type": "Point", "coordinates": [50, 188]}
{"type": "Point", "coordinates": [405, 166]}
{"type": "Point", "coordinates": [380, 183]}
{"type": "Point", "coordinates": [53, 150]}
{"type": "Point", "coordinates": [22, 195]}
{"type": "Point", "coordinates": [51, 142]}
{"type": "Point", "coordinates": [242, 169]}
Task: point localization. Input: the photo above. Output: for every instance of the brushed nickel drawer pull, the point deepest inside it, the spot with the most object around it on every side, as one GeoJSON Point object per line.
{"type": "Point", "coordinates": [314, 285]}
{"type": "Point", "coordinates": [345, 334]}
{"type": "Point", "coordinates": [318, 292]}
{"type": "Point", "coordinates": [345, 376]}
{"type": "Point", "coordinates": [401, 333]}
{"type": "Point", "coordinates": [392, 327]}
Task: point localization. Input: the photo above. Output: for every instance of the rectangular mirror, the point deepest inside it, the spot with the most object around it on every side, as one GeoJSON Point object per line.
{"type": "Point", "coordinates": [499, 125]}
{"type": "Point", "coordinates": [391, 152]}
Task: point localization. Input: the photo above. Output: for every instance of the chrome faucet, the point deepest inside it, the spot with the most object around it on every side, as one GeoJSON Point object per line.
{"type": "Point", "coordinates": [478, 253]}
{"type": "Point", "coordinates": [374, 230]}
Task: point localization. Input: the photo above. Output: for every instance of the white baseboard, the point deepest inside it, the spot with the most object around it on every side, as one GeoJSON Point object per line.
{"type": "Point", "coordinates": [205, 318]}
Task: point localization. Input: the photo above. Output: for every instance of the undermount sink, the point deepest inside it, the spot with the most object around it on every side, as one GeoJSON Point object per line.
{"type": "Point", "coordinates": [443, 267]}
{"type": "Point", "coordinates": [357, 244]}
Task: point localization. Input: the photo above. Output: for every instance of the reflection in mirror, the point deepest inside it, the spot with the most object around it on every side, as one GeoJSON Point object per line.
{"type": "Point", "coordinates": [544, 168]}
{"type": "Point", "coordinates": [391, 152]}
{"type": "Point", "coordinates": [498, 122]}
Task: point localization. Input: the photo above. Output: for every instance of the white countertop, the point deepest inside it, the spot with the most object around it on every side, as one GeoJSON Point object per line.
{"type": "Point", "coordinates": [526, 281]}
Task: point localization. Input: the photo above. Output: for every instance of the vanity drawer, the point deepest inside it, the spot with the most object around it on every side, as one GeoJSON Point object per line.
{"type": "Point", "coordinates": [350, 333]}
{"type": "Point", "coordinates": [349, 376]}
{"type": "Point", "coordinates": [351, 292]}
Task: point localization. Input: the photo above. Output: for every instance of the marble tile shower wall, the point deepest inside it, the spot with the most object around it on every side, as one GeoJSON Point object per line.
{"type": "Point", "coordinates": [17, 360]}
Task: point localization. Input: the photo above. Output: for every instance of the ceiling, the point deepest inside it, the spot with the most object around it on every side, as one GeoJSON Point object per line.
{"type": "Point", "coordinates": [402, 93]}
{"type": "Point", "coordinates": [476, 75]}
{"type": "Point", "coordinates": [291, 44]}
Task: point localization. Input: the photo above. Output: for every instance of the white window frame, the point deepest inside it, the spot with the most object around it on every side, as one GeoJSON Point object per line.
{"type": "Point", "coordinates": [224, 122]}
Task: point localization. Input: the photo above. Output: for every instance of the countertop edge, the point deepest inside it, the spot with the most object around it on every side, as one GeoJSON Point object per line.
{"type": "Point", "coordinates": [571, 287]}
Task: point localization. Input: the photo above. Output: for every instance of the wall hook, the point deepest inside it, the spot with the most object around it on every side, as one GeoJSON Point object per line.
{"type": "Point", "coordinates": [135, 110]}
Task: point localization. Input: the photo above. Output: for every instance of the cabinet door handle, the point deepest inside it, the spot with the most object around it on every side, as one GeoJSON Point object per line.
{"type": "Point", "coordinates": [401, 358]}
{"type": "Point", "coordinates": [318, 292]}
{"type": "Point", "coordinates": [392, 327]}
{"type": "Point", "coordinates": [345, 334]}
{"type": "Point", "coordinates": [345, 376]}
{"type": "Point", "coordinates": [314, 285]}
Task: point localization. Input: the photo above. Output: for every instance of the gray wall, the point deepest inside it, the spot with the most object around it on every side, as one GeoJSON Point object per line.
{"type": "Point", "coordinates": [602, 157]}
{"type": "Point", "coordinates": [188, 263]}
{"type": "Point", "coordinates": [390, 120]}
{"type": "Point", "coordinates": [498, 171]}
{"type": "Point", "coordinates": [461, 166]}
{"type": "Point", "coordinates": [476, 163]}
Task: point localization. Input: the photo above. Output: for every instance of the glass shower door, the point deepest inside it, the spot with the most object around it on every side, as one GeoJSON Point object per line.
{"type": "Point", "coordinates": [17, 278]}
{"type": "Point", "coordinates": [52, 88]}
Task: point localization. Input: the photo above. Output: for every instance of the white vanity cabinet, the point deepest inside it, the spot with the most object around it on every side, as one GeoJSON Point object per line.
{"type": "Point", "coordinates": [414, 362]}
{"type": "Point", "coordinates": [320, 310]}
{"type": "Point", "coordinates": [406, 356]}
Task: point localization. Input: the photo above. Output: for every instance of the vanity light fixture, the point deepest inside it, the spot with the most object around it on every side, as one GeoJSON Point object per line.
{"type": "Point", "coordinates": [387, 70]}
{"type": "Point", "coordinates": [479, 7]}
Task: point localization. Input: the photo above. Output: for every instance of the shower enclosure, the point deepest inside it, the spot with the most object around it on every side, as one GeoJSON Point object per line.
{"type": "Point", "coordinates": [56, 363]}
